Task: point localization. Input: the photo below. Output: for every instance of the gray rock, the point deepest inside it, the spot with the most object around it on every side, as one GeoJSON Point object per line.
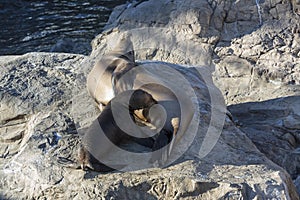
{"type": "Point", "coordinates": [262, 65]}
{"type": "Point", "coordinates": [273, 126]}
{"type": "Point", "coordinates": [38, 162]}
{"type": "Point", "coordinates": [68, 45]}
{"type": "Point", "coordinates": [35, 88]}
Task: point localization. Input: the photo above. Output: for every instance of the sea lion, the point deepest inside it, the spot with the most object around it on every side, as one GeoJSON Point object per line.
{"type": "Point", "coordinates": [106, 81]}
{"type": "Point", "coordinates": [105, 132]}
{"type": "Point", "coordinates": [119, 60]}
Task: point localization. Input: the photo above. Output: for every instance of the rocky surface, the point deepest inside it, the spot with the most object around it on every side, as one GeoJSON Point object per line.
{"type": "Point", "coordinates": [254, 50]}
{"type": "Point", "coordinates": [39, 140]}
{"type": "Point", "coordinates": [276, 123]}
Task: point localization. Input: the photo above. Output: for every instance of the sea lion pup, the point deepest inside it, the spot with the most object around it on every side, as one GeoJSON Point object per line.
{"type": "Point", "coordinates": [105, 133]}
{"type": "Point", "coordinates": [99, 81]}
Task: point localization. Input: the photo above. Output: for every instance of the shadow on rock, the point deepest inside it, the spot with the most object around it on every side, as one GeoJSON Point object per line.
{"type": "Point", "coordinates": [274, 127]}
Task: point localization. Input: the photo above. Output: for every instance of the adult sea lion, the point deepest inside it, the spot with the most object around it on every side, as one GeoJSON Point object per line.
{"type": "Point", "coordinates": [106, 80]}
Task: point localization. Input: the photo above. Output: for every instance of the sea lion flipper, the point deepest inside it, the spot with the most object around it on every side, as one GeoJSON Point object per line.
{"type": "Point", "coordinates": [160, 154]}
{"type": "Point", "coordinates": [175, 125]}
{"type": "Point", "coordinates": [87, 161]}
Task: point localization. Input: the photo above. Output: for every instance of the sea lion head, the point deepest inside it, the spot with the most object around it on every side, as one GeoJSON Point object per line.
{"type": "Point", "coordinates": [141, 99]}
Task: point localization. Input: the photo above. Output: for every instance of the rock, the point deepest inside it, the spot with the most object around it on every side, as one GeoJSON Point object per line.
{"type": "Point", "coordinates": [273, 126]}
{"type": "Point", "coordinates": [68, 45]}
{"type": "Point", "coordinates": [32, 88]}
{"type": "Point", "coordinates": [259, 77]}
{"type": "Point", "coordinates": [37, 163]}
{"type": "Point", "coordinates": [296, 6]}
{"type": "Point", "coordinates": [65, 45]}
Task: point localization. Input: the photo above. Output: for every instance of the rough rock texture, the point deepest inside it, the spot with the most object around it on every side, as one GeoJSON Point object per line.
{"type": "Point", "coordinates": [254, 49]}
{"type": "Point", "coordinates": [275, 122]}
{"type": "Point", "coordinates": [39, 140]}
{"type": "Point", "coordinates": [35, 92]}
